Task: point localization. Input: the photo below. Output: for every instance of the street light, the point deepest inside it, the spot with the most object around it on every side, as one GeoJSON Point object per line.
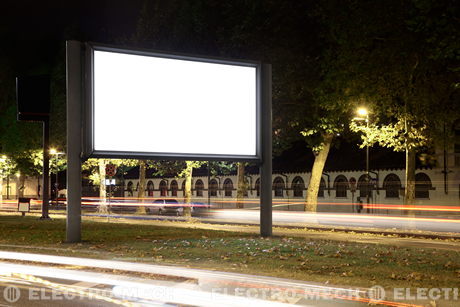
{"type": "Point", "coordinates": [363, 114]}
{"type": "Point", "coordinates": [54, 152]}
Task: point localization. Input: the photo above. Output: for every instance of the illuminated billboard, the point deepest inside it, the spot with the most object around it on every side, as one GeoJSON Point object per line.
{"type": "Point", "coordinates": [162, 106]}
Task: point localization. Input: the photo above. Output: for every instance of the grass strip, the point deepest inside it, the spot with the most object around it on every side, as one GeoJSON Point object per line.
{"type": "Point", "coordinates": [342, 263]}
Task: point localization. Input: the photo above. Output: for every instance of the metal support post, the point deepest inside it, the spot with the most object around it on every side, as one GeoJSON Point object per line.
{"type": "Point", "coordinates": [57, 181]}
{"type": "Point", "coordinates": [46, 169]}
{"type": "Point", "coordinates": [368, 179]}
{"type": "Point", "coordinates": [266, 167]}
{"type": "Point", "coordinates": [74, 119]}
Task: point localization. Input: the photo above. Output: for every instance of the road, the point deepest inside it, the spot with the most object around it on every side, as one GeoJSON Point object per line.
{"type": "Point", "coordinates": [46, 284]}
{"type": "Point", "coordinates": [446, 222]}
{"type": "Point", "coordinates": [303, 219]}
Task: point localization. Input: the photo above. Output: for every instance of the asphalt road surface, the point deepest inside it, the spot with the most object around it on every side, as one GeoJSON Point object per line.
{"type": "Point", "coordinates": [26, 284]}
{"type": "Point", "coordinates": [302, 219]}
{"type": "Point", "coordinates": [284, 218]}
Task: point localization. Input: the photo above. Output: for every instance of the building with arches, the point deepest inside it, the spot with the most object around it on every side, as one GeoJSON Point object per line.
{"type": "Point", "coordinates": [339, 191]}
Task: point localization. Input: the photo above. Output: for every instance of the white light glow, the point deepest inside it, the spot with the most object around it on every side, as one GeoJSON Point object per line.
{"type": "Point", "coordinates": [160, 105]}
{"type": "Point", "coordinates": [362, 112]}
{"type": "Point", "coordinates": [110, 182]}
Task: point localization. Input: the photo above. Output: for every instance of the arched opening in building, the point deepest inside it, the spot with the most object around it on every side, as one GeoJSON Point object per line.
{"type": "Point", "coordinates": [278, 187]}
{"type": "Point", "coordinates": [199, 187]}
{"type": "Point", "coordinates": [163, 188]}
{"type": "Point", "coordinates": [174, 188]}
{"type": "Point", "coordinates": [213, 186]}
{"type": "Point", "coordinates": [322, 187]}
{"type": "Point", "coordinates": [392, 186]}
{"type": "Point", "coordinates": [422, 186]}
{"type": "Point", "coordinates": [130, 188]}
{"type": "Point", "coordinates": [228, 187]}
{"type": "Point", "coordinates": [457, 143]}
{"type": "Point", "coordinates": [150, 188]}
{"type": "Point", "coordinates": [364, 187]}
{"type": "Point", "coordinates": [298, 186]}
{"type": "Point", "coordinates": [341, 186]}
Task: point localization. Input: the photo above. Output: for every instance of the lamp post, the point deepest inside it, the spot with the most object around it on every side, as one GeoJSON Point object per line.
{"type": "Point", "coordinates": [56, 154]}
{"type": "Point", "coordinates": [363, 114]}
{"type": "Point", "coordinates": [2, 161]}
{"type": "Point", "coordinates": [18, 177]}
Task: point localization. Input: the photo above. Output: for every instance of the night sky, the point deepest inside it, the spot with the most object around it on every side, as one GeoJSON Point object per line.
{"type": "Point", "coordinates": [32, 32]}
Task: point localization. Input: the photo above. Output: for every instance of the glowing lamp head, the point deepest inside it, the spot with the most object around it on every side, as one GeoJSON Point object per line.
{"type": "Point", "coordinates": [362, 112]}
{"type": "Point", "coordinates": [53, 151]}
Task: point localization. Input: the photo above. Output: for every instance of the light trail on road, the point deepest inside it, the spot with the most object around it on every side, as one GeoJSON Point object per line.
{"type": "Point", "coordinates": [413, 220]}
{"type": "Point", "coordinates": [303, 219]}
{"type": "Point", "coordinates": [201, 292]}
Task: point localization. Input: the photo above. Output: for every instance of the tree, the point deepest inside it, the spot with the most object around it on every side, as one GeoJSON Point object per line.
{"type": "Point", "coordinates": [241, 185]}
{"type": "Point", "coordinates": [187, 173]}
{"type": "Point", "coordinates": [308, 85]}
{"type": "Point", "coordinates": [22, 141]}
{"type": "Point", "coordinates": [389, 66]}
{"type": "Point", "coordinates": [401, 136]}
{"type": "Point", "coordinates": [142, 185]}
{"type": "Point", "coordinates": [7, 167]}
{"type": "Point", "coordinates": [98, 175]}
{"type": "Point", "coordinates": [182, 169]}
{"type": "Point", "coordinates": [351, 50]}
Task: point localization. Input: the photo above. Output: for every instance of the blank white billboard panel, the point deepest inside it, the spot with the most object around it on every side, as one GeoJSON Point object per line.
{"type": "Point", "coordinates": [167, 106]}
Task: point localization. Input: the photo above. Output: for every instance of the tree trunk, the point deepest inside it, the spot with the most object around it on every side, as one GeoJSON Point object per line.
{"type": "Point", "coordinates": [311, 201]}
{"type": "Point", "coordinates": [141, 188]}
{"type": "Point", "coordinates": [1, 188]}
{"type": "Point", "coordinates": [188, 189]}
{"type": "Point", "coordinates": [102, 188]}
{"type": "Point", "coordinates": [409, 194]}
{"type": "Point", "coordinates": [242, 187]}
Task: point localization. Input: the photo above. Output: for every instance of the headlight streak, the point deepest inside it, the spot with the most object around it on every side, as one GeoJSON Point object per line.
{"type": "Point", "coordinates": [127, 289]}
{"type": "Point", "coordinates": [148, 201]}
{"type": "Point", "coordinates": [202, 275]}
{"type": "Point", "coordinates": [64, 288]}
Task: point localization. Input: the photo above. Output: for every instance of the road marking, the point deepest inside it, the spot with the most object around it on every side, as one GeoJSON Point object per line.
{"type": "Point", "coordinates": [84, 284]}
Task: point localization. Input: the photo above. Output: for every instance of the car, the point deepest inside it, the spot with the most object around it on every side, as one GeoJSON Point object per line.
{"type": "Point", "coordinates": [199, 208]}
{"type": "Point", "coordinates": [58, 204]}
{"type": "Point", "coordinates": [122, 205]}
{"type": "Point", "coordinates": [165, 206]}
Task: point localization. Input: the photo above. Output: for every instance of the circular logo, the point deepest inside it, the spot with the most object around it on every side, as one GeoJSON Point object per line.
{"type": "Point", "coordinates": [376, 293]}
{"type": "Point", "coordinates": [110, 170]}
{"type": "Point", "coordinates": [11, 294]}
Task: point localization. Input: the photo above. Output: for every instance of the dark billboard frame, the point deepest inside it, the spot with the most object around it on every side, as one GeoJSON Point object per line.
{"type": "Point", "coordinates": [78, 95]}
{"type": "Point", "coordinates": [89, 150]}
